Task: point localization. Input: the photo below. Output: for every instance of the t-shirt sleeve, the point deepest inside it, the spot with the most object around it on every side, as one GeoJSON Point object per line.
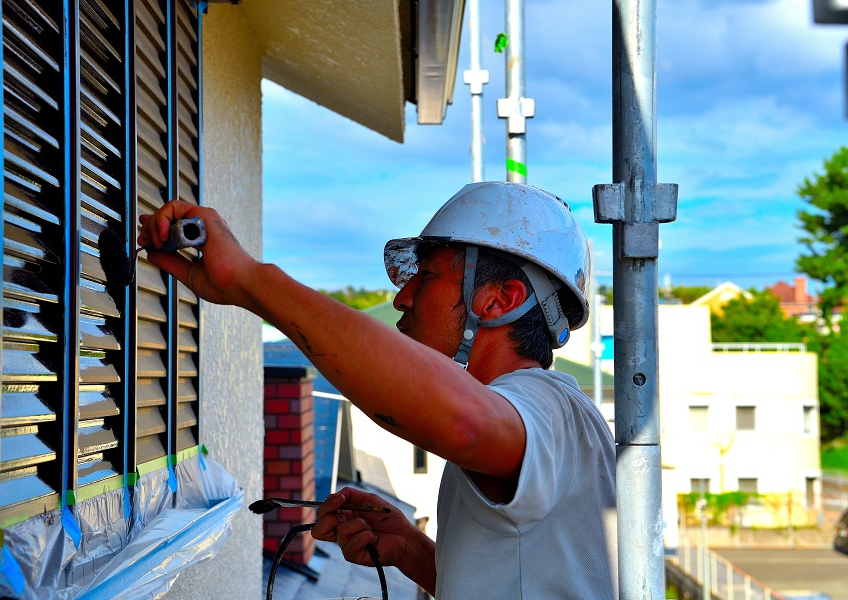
{"type": "Point", "coordinates": [548, 464]}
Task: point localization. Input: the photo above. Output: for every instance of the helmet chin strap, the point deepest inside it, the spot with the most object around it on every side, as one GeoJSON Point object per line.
{"type": "Point", "coordinates": [473, 322]}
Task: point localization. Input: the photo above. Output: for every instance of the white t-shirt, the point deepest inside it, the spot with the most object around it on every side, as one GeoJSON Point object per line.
{"type": "Point", "coordinates": [549, 541]}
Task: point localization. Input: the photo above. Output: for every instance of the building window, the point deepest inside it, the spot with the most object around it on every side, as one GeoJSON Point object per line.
{"type": "Point", "coordinates": [748, 485]}
{"type": "Point", "coordinates": [699, 486]}
{"type": "Point", "coordinates": [699, 418]}
{"type": "Point", "coordinates": [810, 491]}
{"type": "Point", "coordinates": [745, 418]}
{"type": "Point", "coordinates": [808, 419]}
{"type": "Point", "coordinates": [419, 460]}
{"type": "Point", "coordinates": [98, 378]}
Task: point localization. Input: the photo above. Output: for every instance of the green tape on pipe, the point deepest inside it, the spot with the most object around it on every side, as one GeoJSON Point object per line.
{"type": "Point", "coordinates": [501, 42]}
{"type": "Point", "coordinates": [516, 167]}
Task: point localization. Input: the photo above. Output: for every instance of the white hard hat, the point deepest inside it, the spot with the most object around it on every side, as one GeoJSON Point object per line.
{"type": "Point", "coordinates": [516, 219]}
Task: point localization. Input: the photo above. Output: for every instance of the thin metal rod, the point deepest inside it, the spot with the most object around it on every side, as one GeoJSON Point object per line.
{"type": "Point", "coordinates": [173, 193]}
{"type": "Point", "coordinates": [475, 77]}
{"type": "Point", "coordinates": [515, 108]}
{"type": "Point", "coordinates": [130, 300]}
{"type": "Point", "coordinates": [73, 181]}
{"type": "Point", "coordinates": [635, 280]}
{"type": "Point", "coordinates": [516, 143]}
{"type": "Point", "coordinates": [597, 350]}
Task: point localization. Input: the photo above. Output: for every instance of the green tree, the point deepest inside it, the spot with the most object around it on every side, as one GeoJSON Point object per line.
{"type": "Point", "coordinates": [685, 293]}
{"type": "Point", "coordinates": [832, 349]}
{"type": "Point", "coordinates": [360, 298]}
{"type": "Point", "coordinates": [825, 226]}
{"type": "Point", "coordinates": [757, 320]}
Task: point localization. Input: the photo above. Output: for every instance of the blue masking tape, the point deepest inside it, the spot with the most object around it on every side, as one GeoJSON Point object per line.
{"type": "Point", "coordinates": [12, 570]}
{"type": "Point", "coordinates": [69, 524]}
{"type": "Point", "coordinates": [127, 507]}
{"type": "Point", "coordinates": [172, 479]}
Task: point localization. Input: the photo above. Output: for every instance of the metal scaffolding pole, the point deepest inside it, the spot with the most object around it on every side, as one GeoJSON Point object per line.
{"type": "Point", "coordinates": [476, 78]}
{"type": "Point", "coordinates": [515, 108]}
{"type": "Point", "coordinates": [635, 204]}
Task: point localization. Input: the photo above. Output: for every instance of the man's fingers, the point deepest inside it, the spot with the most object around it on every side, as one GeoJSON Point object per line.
{"type": "Point", "coordinates": [353, 546]}
{"type": "Point", "coordinates": [325, 528]}
{"type": "Point", "coordinates": [332, 503]}
{"type": "Point", "coordinates": [172, 262]}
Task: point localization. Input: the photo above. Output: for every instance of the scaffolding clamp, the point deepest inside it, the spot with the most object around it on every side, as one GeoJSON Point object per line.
{"type": "Point", "coordinates": [639, 233]}
{"type": "Point", "coordinates": [516, 111]}
{"type": "Point", "coordinates": [476, 78]}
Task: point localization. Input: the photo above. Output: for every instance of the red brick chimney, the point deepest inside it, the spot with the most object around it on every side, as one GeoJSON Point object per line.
{"type": "Point", "coordinates": [801, 289]}
{"type": "Point", "coordinates": [289, 457]}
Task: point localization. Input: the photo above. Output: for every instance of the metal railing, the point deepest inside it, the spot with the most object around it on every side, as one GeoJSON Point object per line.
{"type": "Point", "coordinates": [746, 347]}
{"type": "Point", "coordinates": [726, 581]}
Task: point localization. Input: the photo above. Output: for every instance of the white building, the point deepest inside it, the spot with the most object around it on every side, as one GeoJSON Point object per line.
{"type": "Point", "coordinates": [733, 417]}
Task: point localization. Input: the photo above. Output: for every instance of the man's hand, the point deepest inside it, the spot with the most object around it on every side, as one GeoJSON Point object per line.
{"type": "Point", "coordinates": [398, 542]}
{"type": "Point", "coordinates": [219, 273]}
{"type": "Point", "coordinates": [353, 530]}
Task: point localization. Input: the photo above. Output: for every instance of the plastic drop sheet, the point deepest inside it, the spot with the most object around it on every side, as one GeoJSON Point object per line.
{"type": "Point", "coordinates": [115, 546]}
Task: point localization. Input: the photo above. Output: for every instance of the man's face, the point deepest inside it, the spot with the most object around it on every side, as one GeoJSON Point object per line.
{"type": "Point", "coordinates": [431, 304]}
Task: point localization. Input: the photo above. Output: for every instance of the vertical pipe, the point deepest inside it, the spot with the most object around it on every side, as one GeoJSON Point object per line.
{"type": "Point", "coordinates": [476, 77]}
{"type": "Point", "coordinates": [3, 164]}
{"type": "Point", "coordinates": [72, 251]}
{"type": "Point", "coordinates": [173, 194]}
{"type": "Point", "coordinates": [516, 138]}
{"type": "Point", "coordinates": [201, 10]}
{"type": "Point", "coordinates": [130, 307]}
{"type": "Point", "coordinates": [598, 390]}
{"type": "Point", "coordinates": [638, 467]}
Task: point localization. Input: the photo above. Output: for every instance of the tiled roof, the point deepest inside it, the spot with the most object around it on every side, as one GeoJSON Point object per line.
{"type": "Point", "coordinates": [336, 578]}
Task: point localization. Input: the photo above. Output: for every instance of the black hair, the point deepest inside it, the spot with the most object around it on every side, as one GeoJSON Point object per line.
{"type": "Point", "coordinates": [530, 332]}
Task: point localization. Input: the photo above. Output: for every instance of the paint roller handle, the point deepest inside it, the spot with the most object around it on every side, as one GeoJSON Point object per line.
{"type": "Point", "coordinates": [183, 233]}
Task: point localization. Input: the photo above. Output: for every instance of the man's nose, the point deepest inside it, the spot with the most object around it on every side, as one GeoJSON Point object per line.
{"type": "Point", "coordinates": [404, 298]}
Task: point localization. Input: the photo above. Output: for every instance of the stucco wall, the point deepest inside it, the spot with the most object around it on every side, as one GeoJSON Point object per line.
{"type": "Point", "coordinates": [231, 367]}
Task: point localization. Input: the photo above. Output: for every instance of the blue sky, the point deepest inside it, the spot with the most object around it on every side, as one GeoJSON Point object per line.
{"type": "Point", "coordinates": [750, 101]}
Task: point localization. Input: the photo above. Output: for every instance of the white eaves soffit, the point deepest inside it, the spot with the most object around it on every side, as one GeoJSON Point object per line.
{"type": "Point", "coordinates": [439, 25]}
{"type": "Point", "coordinates": [357, 57]}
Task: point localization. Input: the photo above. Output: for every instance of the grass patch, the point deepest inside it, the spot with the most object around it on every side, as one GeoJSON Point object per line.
{"type": "Point", "coordinates": [835, 455]}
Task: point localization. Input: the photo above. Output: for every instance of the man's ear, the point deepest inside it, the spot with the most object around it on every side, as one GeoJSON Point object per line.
{"type": "Point", "coordinates": [495, 299]}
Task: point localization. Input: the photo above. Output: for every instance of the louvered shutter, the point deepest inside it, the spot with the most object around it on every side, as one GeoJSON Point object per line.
{"type": "Point", "coordinates": [152, 188]}
{"type": "Point", "coordinates": [188, 157]}
{"type": "Point", "coordinates": [168, 160]}
{"type": "Point", "coordinates": [102, 203]}
{"type": "Point", "coordinates": [97, 379]}
{"type": "Point", "coordinates": [34, 224]}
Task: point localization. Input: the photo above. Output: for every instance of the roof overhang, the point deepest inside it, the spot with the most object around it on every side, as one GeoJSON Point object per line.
{"type": "Point", "coordinates": [362, 59]}
{"type": "Point", "coordinates": [439, 28]}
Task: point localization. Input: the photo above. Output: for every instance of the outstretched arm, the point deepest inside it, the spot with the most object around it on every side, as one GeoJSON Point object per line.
{"type": "Point", "coordinates": [406, 387]}
{"type": "Point", "coordinates": [398, 542]}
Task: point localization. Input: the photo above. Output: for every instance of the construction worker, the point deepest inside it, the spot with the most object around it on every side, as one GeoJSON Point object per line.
{"type": "Point", "coordinates": [492, 284]}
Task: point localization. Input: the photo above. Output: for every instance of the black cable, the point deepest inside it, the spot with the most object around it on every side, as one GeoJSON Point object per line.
{"type": "Point", "coordinates": [306, 527]}
{"type": "Point", "coordinates": [376, 558]}
{"type": "Point", "coordinates": [279, 556]}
